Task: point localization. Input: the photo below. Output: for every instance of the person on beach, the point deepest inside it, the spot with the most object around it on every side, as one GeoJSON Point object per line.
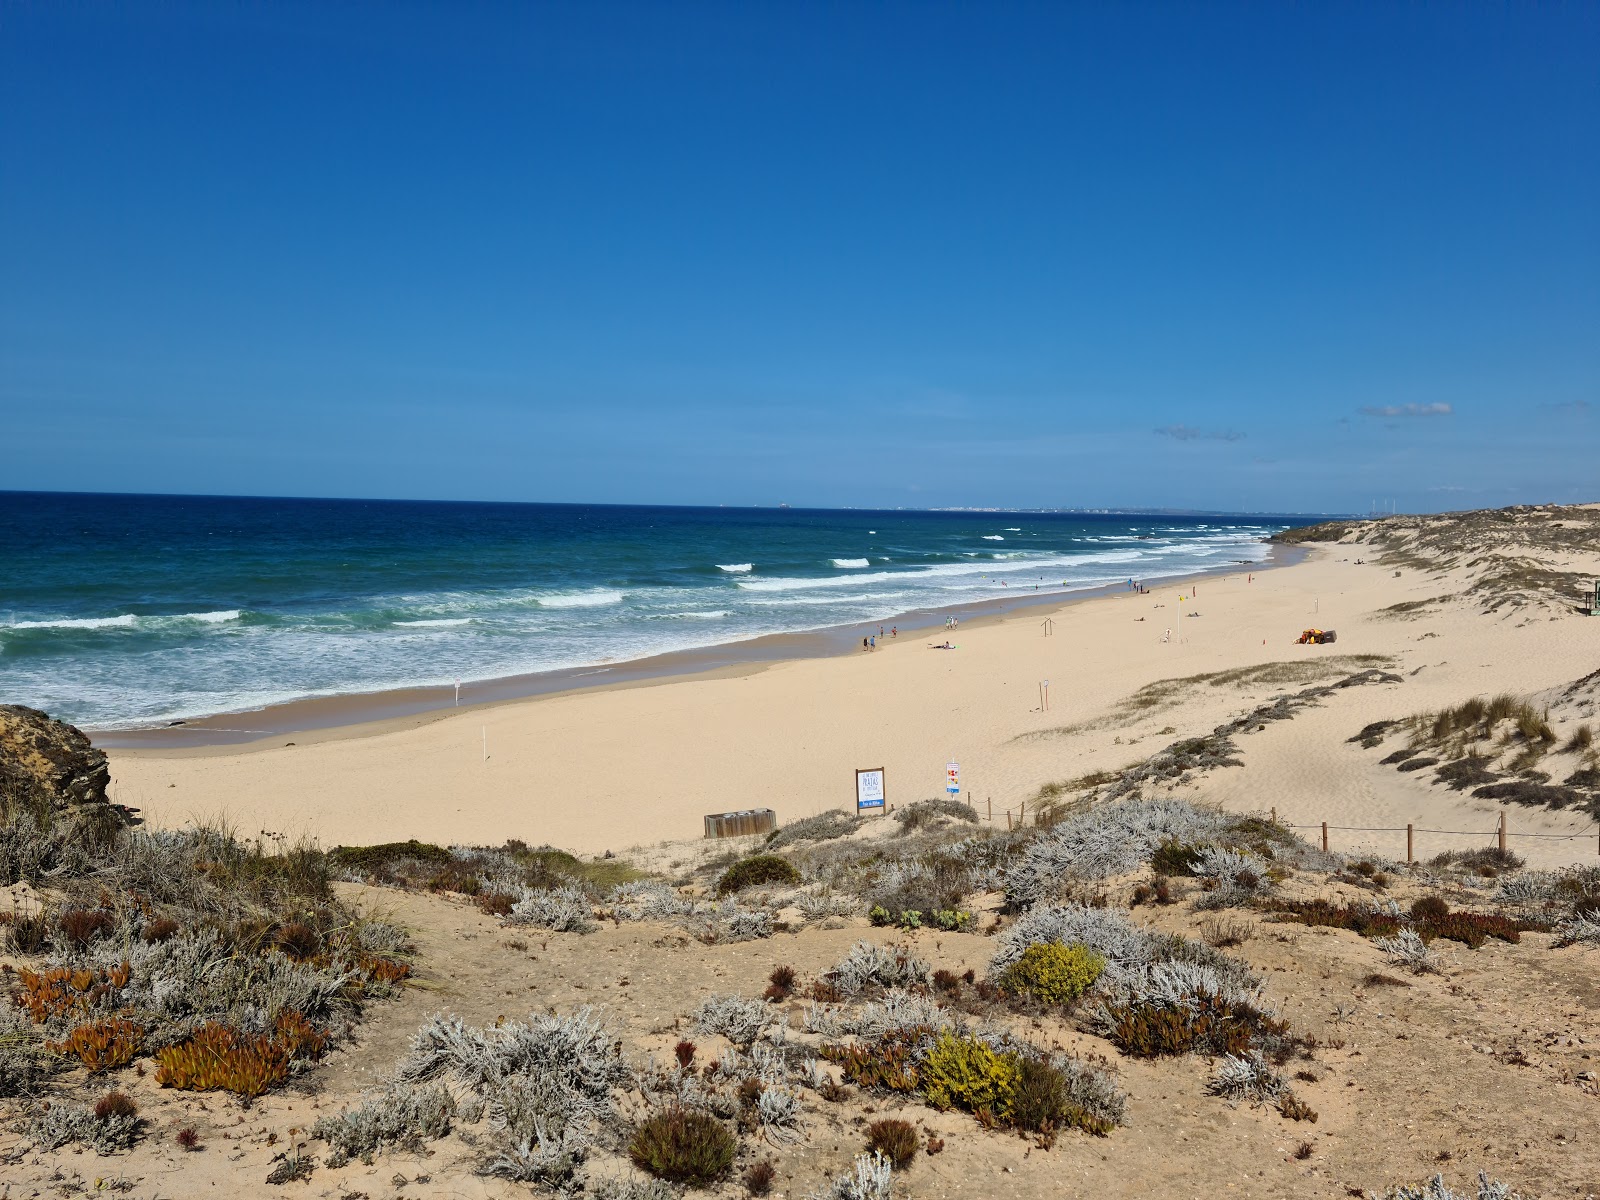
{"type": "Point", "coordinates": [863, 644]}
{"type": "Point", "coordinates": [894, 631]}
{"type": "Point", "coordinates": [872, 643]}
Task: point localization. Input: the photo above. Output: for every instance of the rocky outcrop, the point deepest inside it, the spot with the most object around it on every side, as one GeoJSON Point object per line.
{"type": "Point", "coordinates": [48, 766]}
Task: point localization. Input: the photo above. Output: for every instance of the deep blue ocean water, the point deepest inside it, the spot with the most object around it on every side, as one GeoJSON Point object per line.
{"type": "Point", "coordinates": [128, 610]}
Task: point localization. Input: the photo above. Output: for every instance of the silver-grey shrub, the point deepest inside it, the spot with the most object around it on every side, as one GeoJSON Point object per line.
{"type": "Point", "coordinates": [401, 1116]}
{"type": "Point", "coordinates": [778, 1110]}
{"type": "Point", "coordinates": [1406, 949]}
{"type": "Point", "coordinates": [870, 1177]}
{"type": "Point", "coordinates": [736, 1018]}
{"type": "Point", "coordinates": [899, 1011]}
{"type": "Point", "coordinates": [1091, 1088]}
{"type": "Point", "coordinates": [547, 1082]}
{"type": "Point", "coordinates": [1436, 1189]}
{"type": "Point", "coordinates": [61, 1123]}
{"type": "Point", "coordinates": [563, 910]}
{"type": "Point", "coordinates": [1110, 840]}
{"type": "Point", "coordinates": [1247, 1077]}
{"type": "Point", "coordinates": [868, 964]}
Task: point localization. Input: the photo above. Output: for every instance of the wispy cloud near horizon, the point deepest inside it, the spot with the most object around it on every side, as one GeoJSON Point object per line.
{"type": "Point", "coordinates": [1407, 410]}
{"type": "Point", "coordinates": [1187, 433]}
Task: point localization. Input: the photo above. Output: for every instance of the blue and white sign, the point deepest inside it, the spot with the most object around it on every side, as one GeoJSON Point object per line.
{"type": "Point", "coordinates": [869, 790]}
{"type": "Point", "coordinates": [952, 778]}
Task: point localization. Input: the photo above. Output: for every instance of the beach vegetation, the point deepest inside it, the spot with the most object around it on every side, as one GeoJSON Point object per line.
{"type": "Point", "coordinates": [736, 1018]}
{"type": "Point", "coordinates": [110, 1125]}
{"type": "Point", "coordinates": [825, 826]}
{"type": "Point", "coordinates": [933, 813]}
{"type": "Point", "coordinates": [895, 1139]}
{"type": "Point", "coordinates": [1052, 973]}
{"type": "Point", "coordinates": [683, 1146]}
{"type": "Point", "coordinates": [101, 1045]}
{"type": "Point", "coordinates": [759, 1177]}
{"type": "Point", "coordinates": [870, 1177]}
{"type": "Point", "coordinates": [401, 1117]}
{"type": "Point", "coordinates": [761, 870]}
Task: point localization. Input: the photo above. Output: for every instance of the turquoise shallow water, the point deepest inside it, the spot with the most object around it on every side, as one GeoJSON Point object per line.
{"type": "Point", "coordinates": [130, 610]}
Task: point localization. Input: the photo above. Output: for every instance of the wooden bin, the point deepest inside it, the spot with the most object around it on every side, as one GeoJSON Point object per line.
{"type": "Point", "coordinates": [741, 824]}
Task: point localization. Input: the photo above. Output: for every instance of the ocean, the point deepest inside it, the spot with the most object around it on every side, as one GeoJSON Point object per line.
{"type": "Point", "coordinates": [125, 611]}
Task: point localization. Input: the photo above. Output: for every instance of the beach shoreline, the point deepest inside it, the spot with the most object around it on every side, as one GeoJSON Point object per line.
{"type": "Point", "coordinates": [353, 714]}
{"type": "Point", "coordinates": [1114, 680]}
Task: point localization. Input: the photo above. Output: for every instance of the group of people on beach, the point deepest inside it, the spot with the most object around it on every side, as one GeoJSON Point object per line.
{"type": "Point", "coordinates": [870, 642]}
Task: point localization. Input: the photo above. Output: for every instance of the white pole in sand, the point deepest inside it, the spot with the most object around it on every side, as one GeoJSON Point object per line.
{"type": "Point", "coordinates": [458, 693]}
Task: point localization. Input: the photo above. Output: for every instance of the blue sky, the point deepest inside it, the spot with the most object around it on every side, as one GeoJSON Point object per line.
{"type": "Point", "coordinates": [1294, 257]}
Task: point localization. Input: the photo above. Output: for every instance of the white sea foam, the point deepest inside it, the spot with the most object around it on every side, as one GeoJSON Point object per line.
{"type": "Point", "coordinates": [596, 599]}
{"type": "Point", "coordinates": [213, 618]}
{"type": "Point", "coordinates": [736, 568]}
{"type": "Point", "coordinates": [1013, 528]}
{"type": "Point", "coordinates": [993, 537]}
{"type": "Point", "coordinates": [851, 563]}
{"type": "Point", "coordinates": [440, 622]}
{"type": "Point", "coordinates": [715, 615]}
{"type": "Point", "coordinates": [123, 622]}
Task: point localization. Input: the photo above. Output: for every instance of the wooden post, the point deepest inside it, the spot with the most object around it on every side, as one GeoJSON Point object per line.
{"type": "Point", "coordinates": [1502, 831]}
{"type": "Point", "coordinates": [1008, 820]}
{"type": "Point", "coordinates": [1022, 818]}
{"type": "Point", "coordinates": [1324, 837]}
{"type": "Point", "coordinates": [1410, 845]}
{"type": "Point", "coordinates": [1274, 814]}
{"type": "Point", "coordinates": [990, 801]}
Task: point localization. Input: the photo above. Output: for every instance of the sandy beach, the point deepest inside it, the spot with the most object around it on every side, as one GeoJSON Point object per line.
{"type": "Point", "coordinates": [632, 764]}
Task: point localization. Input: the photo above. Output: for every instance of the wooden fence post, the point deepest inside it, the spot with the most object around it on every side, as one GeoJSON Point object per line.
{"type": "Point", "coordinates": [1324, 837]}
{"type": "Point", "coordinates": [989, 800]}
{"type": "Point", "coordinates": [1502, 831]}
{"type": "Point", "coordinates": [1022, 817]}
{"type": "Point", "coordinates": [1274, 814]}
{"type": "Point", "coordinates": [1410, 833]}
{"type": "Point", "coordinates": [1008, 820]}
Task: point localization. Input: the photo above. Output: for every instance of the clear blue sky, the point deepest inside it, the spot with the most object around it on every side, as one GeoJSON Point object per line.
{"type": "Point", "coordinates": [1285, 256]}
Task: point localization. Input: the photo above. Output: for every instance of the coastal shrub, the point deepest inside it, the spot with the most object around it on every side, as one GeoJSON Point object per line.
{"type": "Point", "coordinates": [1436, 1189]}
{"type": "Point", "coordinates": [777, 1111]}
{"type": "Point", "coordinates": [759, 1177]}
{"type": "Point", "coordinates": [1046, 1099]}
{"type": "Point", "coordinates": [25, 1064]}
{"type": "Point", "coordinates": [962, 1072]}
{"type": "Point", "coordinates": [1173, 857]}
{"type": "Point", "coordinates": [761, 870]}
{"type": "Point", "coordinates": [377, 862]}
{"type": "Point", "coordinates": [80, 926]}
{"type": "Point", "coordinates": [780, 983]}
{"type": "Point", "coordinates": [1293, 1108]}
{"type": "Point", "coordinates": [561, 910]}
{"type": "Point", "coordinates": [1053, 973]}
{"type": "Point", "coordinates": [895, 1139]}
{"type": "Point", "coordinates": [1429, 908]}
{"type": "Point", "coordinates": [889, 1063]}
{"type": "Point", "coordinates": [1406, 949]}
{"type": "Point", "coordinates": [400, 1117]}
{"type": "Point", "coordinates": [547, 1082]}
{"type": "Point", "coordinates": [825, 826]}
{"type": "Point", "coordinates": [1112, 839]}
{"type": "Point", "coordinates": [926, 813]}
{"type": "Point", "coordinates": [1477, 859]}
{"type": "Point", "coordinates": [734, 1017]}
{"type": "Point", "coordinates": [1244, 1077]}
{"type": "Point", "coordinates": [870, 1177]}
{"type": "Point", "coordinates": [1368, 922]}
{"type": "Point", "coordinates": [897, 1011]}
{"type": "Point", "coordinates": [217, 1058]}
{"type": "Point", "coordinates": [867, 965]}
{"type": "Point", "coordinates": [101, 1045]}
{"type": "Point", "coordinates": [54, 1126]}
{"type": "Point", "coordinates": [683, 1146]}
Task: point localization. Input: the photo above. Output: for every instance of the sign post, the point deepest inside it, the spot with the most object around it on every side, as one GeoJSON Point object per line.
{"type": "Point", "coordinates": [952, 778]}
{"type": "Point", "coordinates": [869, 791]}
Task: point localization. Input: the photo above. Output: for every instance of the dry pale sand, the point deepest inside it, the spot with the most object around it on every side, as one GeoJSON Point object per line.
{"type": "Point", "coordinates": [612, 768]}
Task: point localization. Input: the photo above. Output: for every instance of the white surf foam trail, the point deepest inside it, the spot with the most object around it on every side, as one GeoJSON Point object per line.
{"type": "Point", "coordinates": [125, 621]}
{"type": "Point", "coordinates": [993, 537]}
{"type": "Point", "coordinates": [851, 563]}
{"type": "Point", "coordinates": [213, 618]}
{"type": "Point", "coordinates": [581, 600]}
{"type": "Point", "coordinates": [440, 622]}
{"type": "Point", "coordinates": [736, 568]}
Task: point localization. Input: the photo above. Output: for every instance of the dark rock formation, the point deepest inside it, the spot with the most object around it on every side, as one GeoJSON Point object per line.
{"type": "Point", "coordinates": [47, 766]}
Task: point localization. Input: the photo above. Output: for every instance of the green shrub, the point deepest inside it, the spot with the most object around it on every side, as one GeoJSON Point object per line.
{"type": "Point", "coordinates": [1041, 1102]}
{"type": "Point", "coordinates": [375, 860]}
{"type": "Point", "coordinates": [962, 1072]}
{"type": "Point", "coordinates": [1207, 1025]}
{"type": "Point", "coordinates": [1174, 858]}
{"type": "Point", "coordinates": [1053, 973]}
{"type": "Point", "coordinates": [760, 870]}
{"type": "Point", "coordinates": [683, 1146]}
